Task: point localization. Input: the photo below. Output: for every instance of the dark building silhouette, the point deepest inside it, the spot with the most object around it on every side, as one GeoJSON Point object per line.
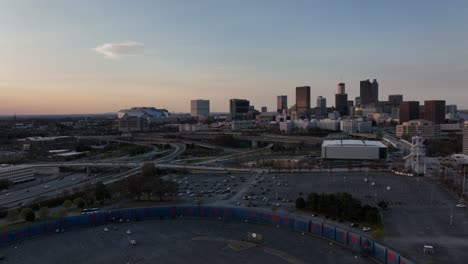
{"type": "Point", "coordinates": [395, 100]}
{"type": "Point", "coordinates": [409, 110]}
{"type": "Point", "coordinates": [282, 103]}
{"type": "Point", "coordinates": [341, 100]}
{"type": "Point", "coordinates": [321, 108]}
{"type": "Point", "coordinates": [434, 110]}
{"type": "Point", "coordinates": [239, 108]}
{"type": "Point", "coordinates": [369, 93]}
{"type": "Point", "coordinates": [303, 101]}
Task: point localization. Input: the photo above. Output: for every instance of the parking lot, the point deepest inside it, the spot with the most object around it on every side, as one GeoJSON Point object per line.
{"type": "Point", "coordinates": [282, 189]}
{"type": "Point", "coordinates": [254, 190]}
{"type": "Point", "coordinates": [419, 211]}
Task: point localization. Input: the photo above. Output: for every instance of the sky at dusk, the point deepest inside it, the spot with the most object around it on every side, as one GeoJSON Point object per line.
{"type": "Point", "coordinates": [91, 56]}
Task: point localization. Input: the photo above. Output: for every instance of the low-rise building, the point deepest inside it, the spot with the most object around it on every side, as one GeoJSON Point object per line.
{"type": "Point", "coordinates": [329, 124]}
{"type": "Point", "coordinates": [242, 124]}
{"type": "Point", "coordinates": [16, 174]}
{"type": "Point", "coordinates": [44, 144]}
{"type": "Point", "coordinates": [351, 126]}
{"type": "Point", "coordinates": [422, 128]}
{"type": "Point", "coordinates": [465, 138]}
{"type": "Point", "coordinates": [354, 150]}
{"type": "Point", "coordinates": [192, 127]}
{"type": "Point", "coordinates": [286, 127]}
{"type": "Point", "coordinates": [334, 115]}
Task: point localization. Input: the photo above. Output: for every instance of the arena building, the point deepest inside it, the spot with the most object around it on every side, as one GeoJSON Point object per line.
{"type": "Point", "coordinates": [354, 150]}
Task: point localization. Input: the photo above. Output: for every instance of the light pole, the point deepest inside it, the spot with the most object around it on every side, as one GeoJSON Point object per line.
{"type": "Point", "coordinates": [464, 182]}
{"type": "Point", "coordinates": [451, 215]}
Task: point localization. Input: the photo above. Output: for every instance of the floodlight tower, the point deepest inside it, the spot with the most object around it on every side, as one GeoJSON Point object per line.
{"type": "Point", "coordinates": [418, 154]}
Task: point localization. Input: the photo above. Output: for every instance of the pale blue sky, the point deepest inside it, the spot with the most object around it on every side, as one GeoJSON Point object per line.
{"type": "Point", "coordinates": [226, 49]}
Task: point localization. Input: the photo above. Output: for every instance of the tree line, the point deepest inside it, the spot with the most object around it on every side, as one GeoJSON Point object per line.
{"type": "Point", "coordinates": [339, 206]}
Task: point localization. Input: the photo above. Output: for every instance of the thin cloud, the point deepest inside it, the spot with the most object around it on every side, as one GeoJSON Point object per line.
{"type": "Point", "coordinates": [116, 50]}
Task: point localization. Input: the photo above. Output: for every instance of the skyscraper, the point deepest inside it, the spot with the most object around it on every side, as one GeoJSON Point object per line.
{"type": "Point", "coordinates": [369, 93]}
{"type": "Point", "coordinates": [451, 109]}
{"type": "Point", "coordinates": [395, 100]}
{"type": "Point", "coordinates": [321, 106]}
{"type": "Point", "coordinates": [264, 109]}
{"type": "Point", "coordinates": [303, 101]}
{"type": "Point", "coordinates": [200, 107]}
{"type": "Point", "coordinates": [409, 110]}
{"type": "Point", "coordinates": [341, 100]}
{"type": "Point", "coordinates": [239, 108]}
{"type": "Point", "coordinates": [465, 138]}
{"type": "Point", "coordinates": [341, 88]}
{"type": "Point", "coordinates": [434, 110]}
{"type": "Point", "coordinates": [357, 101]}
{"type": "Point", "coordinates": [282, 103]}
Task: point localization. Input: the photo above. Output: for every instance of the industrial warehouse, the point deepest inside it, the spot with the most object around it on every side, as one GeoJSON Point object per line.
{"type": "Point", "coordinates": [354, 150]}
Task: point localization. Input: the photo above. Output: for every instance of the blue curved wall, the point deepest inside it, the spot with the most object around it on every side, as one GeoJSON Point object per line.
{"type": "Point", "coordinates": [294, 222]}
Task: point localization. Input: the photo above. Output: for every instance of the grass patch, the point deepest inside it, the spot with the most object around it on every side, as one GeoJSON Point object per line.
{"type": "Point", "coordinates": [378, 233]}
{"type": "Point", "coordinates": [10, 226]}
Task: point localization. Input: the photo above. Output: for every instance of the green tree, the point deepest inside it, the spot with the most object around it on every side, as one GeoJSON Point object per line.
{"type": "Point", "coordinates": [12, 215]}
{"type": "Point", "coordinates": [62, 212]}
{"type": "Point", "coordinates": [28, 214]}
{"type": "Point", "coordinates": [101, 192]}
{"type": "Point", "coordinates": [67, 204]}
{"type": "Point", "coordinates": [79, 202]}
{"type": "Point", "coordinates": [44, 213]}
{"type": "Point", "coordinates": [5, 184]}
{"type": "Point", "coordinates": [300, 203]}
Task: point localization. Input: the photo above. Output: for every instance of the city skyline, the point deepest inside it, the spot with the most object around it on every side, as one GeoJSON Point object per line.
{"type": "Point", "coordinates": [166, 54]}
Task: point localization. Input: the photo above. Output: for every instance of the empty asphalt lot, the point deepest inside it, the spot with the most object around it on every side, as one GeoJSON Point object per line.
{"type": "Point", "coordinates": [177, 241]}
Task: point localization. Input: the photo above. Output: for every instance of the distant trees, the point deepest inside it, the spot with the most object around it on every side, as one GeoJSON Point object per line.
{"type": "Point", "coordinates": [44, 213]}
{"type": "Point", "coordinates": [227, 141]}
{"type": "Point", "coordinates": [444, 146]}
{"type": "Point", "coordinates": [12, 215]}
{"type": "Point", "coordinates": [101, 193]}
{"type": "Point", "coordinates": [79, 202]}
{"type": "Point", "coordinates": [340, 206]}
{"type": "Point", "coordinates": [150, 182]}
{"type": "Point", "coordinates": [67, 204]}
{"type": "Point", "coordinates": [5, 184]}
{"type": "Point", "coordinates": [300, 203]}
{"type": "Point", "coordinates": [28, 214]}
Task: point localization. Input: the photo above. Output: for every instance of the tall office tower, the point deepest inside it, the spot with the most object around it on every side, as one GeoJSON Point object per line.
{"type": "Point", "coordinates": [239, 108]}
{"type": "Point", "coordinates": [465, 138]}
{"type": "Point", "coordinates": [200, 107]}
{"type": "Point", "coordinates": [395, 100]}
{"type": "Point", "coordinates": [341, 100]}
{"type": "Point", "coordinates": [357, 101]}
{"type": "Point", "coordinates": [369, 93]}
{"type": "Point", "coordinates": [303, 102]}
{"type": "Point", "coordinates": [264, 109]}
{"type": "Point", "coordinates": [341, 88]}
{"type": "Point", "coordinates": [451, 109]}
{"type": "Point", "coordinates": [321, 106]}
{"type": "Point", "coordinates": [282, 103]}
{"type": "Point", "coordinates": [434, 110]}
{"type": "Point", "coordinates": [409, 110]}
